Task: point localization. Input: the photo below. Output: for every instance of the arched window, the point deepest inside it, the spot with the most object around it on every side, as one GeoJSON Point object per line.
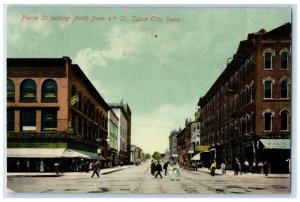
{"type": "Point", "coordinates": [28, 91]}
{"type": "Point", "coordinates": [49, 91]}
{"type": "Point", "coordinates": [284, 60]}
{"type": "Point", "coordinates": [284, 119]}
{"type": "Point", "coordinates": [252, 87]}
{"type": "Point", "coordinates": [268, 89]}
{"type": "Point", "coordinates": [284, 89]}
{"type": "Point", "coordinates": [10, 91]}
{"type": "Point", "coordinates": [268, 53]}
{"type": "Point", "coordinates": [268, 115]}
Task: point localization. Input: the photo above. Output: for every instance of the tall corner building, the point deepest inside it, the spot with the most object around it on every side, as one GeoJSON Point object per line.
{"type": "Point", "coordinates": [246, 114]}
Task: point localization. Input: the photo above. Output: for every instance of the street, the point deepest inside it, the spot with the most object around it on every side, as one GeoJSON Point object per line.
{"type": "Point", "coordinates": [137, 179]}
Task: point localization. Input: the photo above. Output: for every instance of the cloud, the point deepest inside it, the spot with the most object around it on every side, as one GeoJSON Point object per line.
{"type": "Point", "coordinates": [151, 131]}
{"type": "Point", "coordinates": [119, 44]}
{"type": "Point", "coordinates": [16, 29]}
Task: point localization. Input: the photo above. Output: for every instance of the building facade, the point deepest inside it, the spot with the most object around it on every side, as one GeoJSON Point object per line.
{"type": "Point", "coordinates": [113, 121]}
{"type": "Point", "coordinates": [173, 142]}
{"type": "Point", "coordinates": [123, 113]}
{"type": "Point", "coordinates": [53, 111]}
{"type": "Point", "coordinates": [246, 114]}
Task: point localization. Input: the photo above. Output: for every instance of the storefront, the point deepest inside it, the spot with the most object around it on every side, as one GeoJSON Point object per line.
{"type": "Point", "coordinates": [277, 152]}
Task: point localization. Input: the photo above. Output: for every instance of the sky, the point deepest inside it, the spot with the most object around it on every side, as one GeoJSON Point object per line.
{"type": "Point", "coordinates": [160, 68]}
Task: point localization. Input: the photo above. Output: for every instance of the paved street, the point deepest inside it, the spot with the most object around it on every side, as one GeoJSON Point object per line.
{"type": "Point", "coordinates": [137, 179]}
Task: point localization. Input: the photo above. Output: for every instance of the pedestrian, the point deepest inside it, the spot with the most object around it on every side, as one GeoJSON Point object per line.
{"type": "Point", "coordinates": [56, 168]}
{"type": "Point", "coordinates": [289, 164]}
{"type": "Point", "coordinates": [175, 172]}
{"type": "Point", "coordinates": [260, 167]}
{"type": "Point", "coordinates": [42, 166]}
{"type": "Point", "coordinates": [18, 166]}
{"type": "Point", "coordinates": [165, 167]}
{"type": "Point", "coordinates": [152, 167]}
{"type": "Point", "coordinates": [266, 168]}
{"type": "Point", "coordinates": [253, 169]}
{"type": "Point", "coordinates": [223, 167]}
{"type": "Point", "coordinates": [236, 167]}
{"type": "Point", "coordinates": [61, 167]}
{"type": "Point", "coordinates": [213, 167]}
{"type": "Point", "coordinates": [158, 169]}
{"type": "Point", "coordinates": [95, 168]}
{"type": "Point", "coordinates": [246, 166]}
{"type": "Point", "coordinates": [27, 165]}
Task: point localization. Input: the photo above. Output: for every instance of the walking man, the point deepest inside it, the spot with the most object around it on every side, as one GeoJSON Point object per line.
{"type": "Point", "coordinates": [158, 169]}
{"type": "Point", "coordinates": [95, 168]}
{"type": "Point", "coordinates": [165, 167]}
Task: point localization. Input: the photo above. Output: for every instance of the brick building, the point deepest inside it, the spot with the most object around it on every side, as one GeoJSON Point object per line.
{"type": "Point", "coordinates": [246, 112]}
{"type": "Point", "coordinates": [53, 113]}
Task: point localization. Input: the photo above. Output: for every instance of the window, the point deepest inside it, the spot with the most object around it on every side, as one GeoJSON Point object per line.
{"type": "Point", "coordinates": [284, 120]}
{"type": "Point", "coordinates": [268, 60]}
{"type": "Point", "coordinates": [268, 121]}
{"type": "Point", "coordinates": [268, 89]}
{"type": "Point", "coordinates": [10, 120]}
{"type": "Point", "coordinates": [28, 120]}
{"type": "Point", "coordinates": [284, 60]}
{"type": "Point", "coordinates": [10, 91]}
{"type": "Point", "coordinates": [49, 120]}
{"type": "Point", "coordinates": [49, 91]}
{"type": "Point", "coordinates": [284, 89]}
{"type": "Point", "coordinates": [28, 91]}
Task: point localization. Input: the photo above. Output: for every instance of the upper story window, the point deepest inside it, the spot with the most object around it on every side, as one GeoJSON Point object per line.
{"type": "Point", "coordinates": [268, 85]}
{"type": "Point", "coordinates": [28, 91]}
{"type": "Point", "coordinates": [268, 115]}
{"type": "Point", "coordinates": [284, 87]}
{"type": "Point", "coordinates": [284, 58]}
{"type": "Point", "coordinates": [268, 53]}
{"type": "Point", "coordinates": [10, 91]}
{"type": "Point", "coordinates": [268, 89]}
{"type": "Point", "coordinates": [49, 91]}
{"type": "Point", "coordinates": [284, 119]}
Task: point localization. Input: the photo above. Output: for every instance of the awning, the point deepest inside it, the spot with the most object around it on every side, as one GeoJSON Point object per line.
{"type": "Point", "coordinates": [276, 143]}
{"type": "Point", "coordinates": [73, 153]}
{"type": "Point", "coordinates": [50, 153]}
{"type": "Point", "coordinates": [196, 157]}
{"type": "Point", "coordinates": [35, 152]}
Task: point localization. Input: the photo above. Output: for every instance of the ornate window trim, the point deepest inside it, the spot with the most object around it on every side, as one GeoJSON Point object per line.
{"type": "Point", "coordinates": [268, 111]}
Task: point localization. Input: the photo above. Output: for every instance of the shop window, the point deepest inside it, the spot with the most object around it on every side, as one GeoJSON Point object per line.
{"type": "Point", "coordinates": [49, 91]}
{"type": "Point", "coordinates": [10, 120]}
{"type": "Point", "coordinates": [28, 120]}
{"type": "Point", "coordinates": [49, 120]}
{"type": "Point", "coordinates": [28, 91]}
{"type": "Point", "coordinates": [10, 91]}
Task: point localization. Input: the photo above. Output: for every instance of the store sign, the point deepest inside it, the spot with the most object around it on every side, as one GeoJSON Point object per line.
{"type": "Point", "coordinates": [202, 148]}
{"type": "Point", "coordinates": [29, 128]}
{"type": "Point", "coordinates": [74, 100]}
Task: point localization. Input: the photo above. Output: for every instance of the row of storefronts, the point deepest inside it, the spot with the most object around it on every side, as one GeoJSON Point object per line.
{"type": "Point", "coordinates": [246, 113]}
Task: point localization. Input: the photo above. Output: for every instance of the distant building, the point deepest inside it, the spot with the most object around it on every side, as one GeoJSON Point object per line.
{"type": "Point", "coordinates": [53, 113]}
{"type": "Point", "coordinates": [173, 142]}
{"type": "Point", "coordinates": [113, 122]}
{"type": "Point", "coordinates": [246, 114]}
{"type": "Point", "coordinates": [123, 113]}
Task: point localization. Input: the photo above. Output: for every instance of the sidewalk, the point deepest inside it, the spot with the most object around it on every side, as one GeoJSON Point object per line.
{"type": "Point", "coordinates": [231, 173]}
{"type": "Point", "coordinates": [103, 171]}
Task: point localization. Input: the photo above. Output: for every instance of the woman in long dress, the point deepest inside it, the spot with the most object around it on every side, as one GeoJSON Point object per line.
{"type": "Point", "coordinates": [175, 173]}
